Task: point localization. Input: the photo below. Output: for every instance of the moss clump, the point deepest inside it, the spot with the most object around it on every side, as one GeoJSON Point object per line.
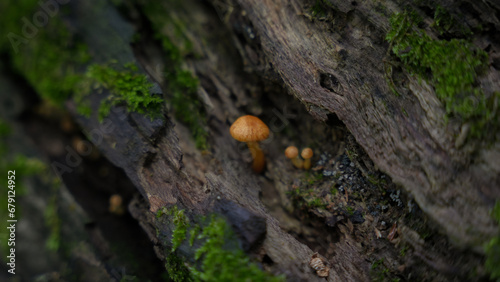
{"type": "Point", "coordinates": [219, 254]}
{"type": "Point", "coordinates": [51, 60]}
{"type": "Point", "coordinates": [452, 66]}
{"type": "Point", "coordinates": [492, 249]}
{"type": "Point", "coordinates": [127, 87]}
{"type": "Point", "coordinates": [306, 196]}
{"type": "Point", "coordinates": [444, 23]}
{"type": "Point", "coordinates": [193, 233]}
{"type": "Point", "coordinates": [11, 24]}
{"type": "Point", "coordinates": [53, 222]}
{"type": "Point", "coordinates": [181, 223]}
{"type": "Point", "coordinates": [403, 250]}
{"type": "Point", "coordinates": [349, 210]}
{"type": "Point", "coordinates": [177, 269]}
{"type": "Point", "coordinates": [333, 190]}
{"type": "Point", "coordinates": [320, 9]}
{"type": "Point", "coordinates": [316, 203]}
{"type": "Point", "coordinates": [312, 178]}
{"type": "Point", "coordinates": [379, 272]}
{"type": "Point", "coordinates": [181, 84]}
{"type": "Point", "coordinates": [219, 264]}
{"type": "Point", "coordinates": [23, 167]}
{"type": "Point", "coordinates": [186, 105]}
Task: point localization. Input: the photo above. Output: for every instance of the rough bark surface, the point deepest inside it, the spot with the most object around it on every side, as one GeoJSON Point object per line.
{"type": "Point", "coordinates": [169, 170]}
{"type": "Point", "coordinates": [333, 67]}
{"type": "Point", "coordinates": [337, 66]}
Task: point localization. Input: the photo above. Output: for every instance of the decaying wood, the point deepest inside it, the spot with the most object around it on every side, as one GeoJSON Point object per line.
{"type": "Point", "coordinates": [334, 68]}
{"type": "Point", "coordinates": [168, 170]}
{"type": "Point", "coordinates": [337, 67]}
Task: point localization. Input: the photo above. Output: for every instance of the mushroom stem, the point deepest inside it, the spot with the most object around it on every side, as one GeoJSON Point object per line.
{"type": "Point", "coordinates": [297, 162]}
{"type": "Point", "coordinates": [259, 161]}
{"type": "Point", "coordinates": [307, 164]}
{"type": "Point", "coordinates": [292, 153]}
{"type": "Point", "coordinates": [307, 154]}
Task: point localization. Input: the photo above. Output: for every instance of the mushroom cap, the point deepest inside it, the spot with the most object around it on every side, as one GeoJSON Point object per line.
{"type": "Point", "coordinates": [115, 200]}
{"type": "Point", "coordinates": [291, 152]}
{"type": "Point", "coordinates": [249, 129]}
{"type": "Point", "coordinates": [307, 153]}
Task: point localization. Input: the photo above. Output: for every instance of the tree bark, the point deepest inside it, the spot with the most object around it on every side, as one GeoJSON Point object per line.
{"type": "Point", "coordinates": [335, 68]}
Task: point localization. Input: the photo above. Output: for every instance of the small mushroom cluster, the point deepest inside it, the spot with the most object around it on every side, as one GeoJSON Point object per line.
{"type": "Point", "coordinates": [251, 129]}
{"type": "Point", "coordinates": [293, 153]}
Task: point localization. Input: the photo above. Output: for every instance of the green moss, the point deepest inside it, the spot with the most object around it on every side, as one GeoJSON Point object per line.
{"type": "Point", "coordinates": [53, 222]}
{"type": "Point", "coordinates": [349, 210]}
{"type": "Point", "coordinates": [333, 190]}
{"type": "Point", "coordinates": [10, 23]}
{"type": "Point", "coordinates": [316, 203]}
{"type": "Point", "coordinates": [193, 233]}
{"type": "Point", "coordinates": [24, 167]}
{"type": "Point", "coordinates": [306, 197]}
{"type": "Point", "coordinates": [127, 87]}
{"type": "Point", "coordinates": [495, 213]}
{"type": "Point", "coordinates": [295, 195]}
{"type": "Point", "coordinates": [50, 58]}
{"type": "Point", "coordinates": [187, 107]}
{"type": "Point", "coordinates": [219, 255]}
{"type": "Point", "coordinates": [493, 258]}
{"type": "Point", "coordinates": [403, 250]}
{"type": "Point", "coordinates": [181, 223]}
{"type": "Point", "coordinates": [182, 85]}
{"type": "Point", "coordinates": [5, 130]}
{"type": "Point", "coordinates": [221, 264]}
{"type": "Point", "coordinates": [319, 9]}
{"type": "Point", "coordinates": [492, 249]}
{"type": "Point", "coordinates": [452, 66]}
{"type": "Point", "coordinates": [160, 213]}
{"type": "Point", "coordinates": [379, 272]}
{"type": "Point", "coordinates": [177, 269]}
{"type": "Point", "coordinates": [445, 23]}
{"type": "Point", "coordinates": [117, 3]}
{"type": "Point", "coordinates": [311, 178]}
{"type": "Point", "coordinates": [54, 61]}
{"type": "Point", "coordinates": [377, 182]}
{"type": "Point", "coordinates": [404, 112]}
{"type": "Point", "coordinates": [50, 61]}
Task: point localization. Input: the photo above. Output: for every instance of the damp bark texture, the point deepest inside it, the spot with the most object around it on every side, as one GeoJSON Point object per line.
{"type": "Point", "coordinates": [334, 65]}
{"type": "Point", "coordinates": [337, 67]}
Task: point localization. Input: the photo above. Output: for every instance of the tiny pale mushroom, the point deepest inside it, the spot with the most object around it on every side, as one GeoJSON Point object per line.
{"type": "Point", "coordinates": [307, 154]}
{"type": "Point", "coordinates": [292, 153]}
{"type": "Point", "coordinates": [116, 205]}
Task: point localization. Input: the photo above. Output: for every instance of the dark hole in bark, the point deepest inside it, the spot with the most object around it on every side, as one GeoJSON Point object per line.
{"type": "Point", "coordinates": [330, 82]}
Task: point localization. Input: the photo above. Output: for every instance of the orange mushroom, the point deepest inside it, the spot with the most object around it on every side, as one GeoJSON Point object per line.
{"type": "Point", "coordinates": [251, 129]}
{"type": "Point", "coordinates": [307, 154]}
{"type": "Point", "coordinates": [116, 204]}
{"type": "Point", "coordinates": [293, 153]}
